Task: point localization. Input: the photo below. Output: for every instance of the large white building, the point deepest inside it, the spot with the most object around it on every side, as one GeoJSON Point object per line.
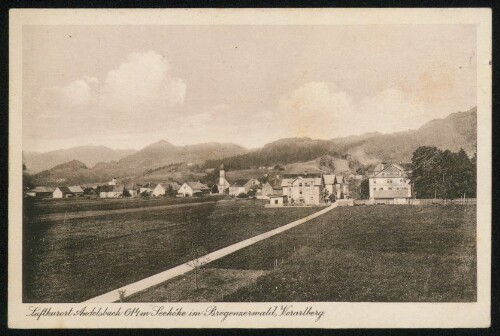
{"type": "Point", "coordinates": [390, 183]}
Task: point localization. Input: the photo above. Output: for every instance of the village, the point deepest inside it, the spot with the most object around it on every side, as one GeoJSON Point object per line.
{"type": "Point", "coordinates": [389, 183]}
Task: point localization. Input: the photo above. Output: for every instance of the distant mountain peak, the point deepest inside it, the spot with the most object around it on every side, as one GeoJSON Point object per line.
{"type": "Point", "coordinates": [160, 144]}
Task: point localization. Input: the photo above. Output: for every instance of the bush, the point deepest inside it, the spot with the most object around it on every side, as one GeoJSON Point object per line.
{"type": "Point", "coordinates": [242, 195]}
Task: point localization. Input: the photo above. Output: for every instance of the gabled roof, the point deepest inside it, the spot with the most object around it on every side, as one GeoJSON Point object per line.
{"type": "Point", "coordinates": [175, 185]}
{"type": "Point", "coordinates": [391, 170]}
{"type": "Point", "coordinates": [239, 183]}
{"type": "Point", "coordinates": [197, 186]}
{"type": "Point", "coordinates": [75, 189]}
{"type": "Point", "coordinates": [149, 185]}
{"type": "Point", "coordinates": [110, 188]}
{"type": "Point", "coordinates": [64, 190]}
{"type": "Point", "coordinates": [288, 182]}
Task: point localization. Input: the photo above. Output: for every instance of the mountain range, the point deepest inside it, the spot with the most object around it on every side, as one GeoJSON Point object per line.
{"type": "Point", "coordinates": [456, 131]}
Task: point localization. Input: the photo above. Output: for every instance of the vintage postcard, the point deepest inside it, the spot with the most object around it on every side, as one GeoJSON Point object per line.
{"type": "Point", "coordinates": [250, 168]}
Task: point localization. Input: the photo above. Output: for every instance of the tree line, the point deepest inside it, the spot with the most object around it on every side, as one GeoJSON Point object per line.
{"type": "Point", "coordinates": [443, 174]}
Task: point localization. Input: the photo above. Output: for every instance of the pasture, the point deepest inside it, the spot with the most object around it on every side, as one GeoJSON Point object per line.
{"type": "Point", "coordinates": [71, 260]}
{"type": "Point", "coordinates": [350, 254]}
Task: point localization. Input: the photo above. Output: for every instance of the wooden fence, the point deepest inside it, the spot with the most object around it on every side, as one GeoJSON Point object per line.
{"type": "Point", "coordinates": [413, 201]}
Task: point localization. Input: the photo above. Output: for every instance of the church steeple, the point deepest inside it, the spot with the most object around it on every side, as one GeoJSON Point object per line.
{"type": "Point", "coordinates": [222, 175]}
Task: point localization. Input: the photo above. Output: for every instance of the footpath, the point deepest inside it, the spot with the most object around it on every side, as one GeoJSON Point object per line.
{"type": "Point", "coordinates": [159, 278]}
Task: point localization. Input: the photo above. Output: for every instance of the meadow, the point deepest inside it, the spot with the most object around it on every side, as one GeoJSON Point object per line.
{"type": "Point", "coordinates": [72, 260]}
{"type": "Point", "coordinates": [351, 254]}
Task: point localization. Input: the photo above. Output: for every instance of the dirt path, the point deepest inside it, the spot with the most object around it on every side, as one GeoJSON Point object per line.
{"type": "Point", "coordinates": [95, 213]}
{"type": "Point", "coordinates": [156, 279]}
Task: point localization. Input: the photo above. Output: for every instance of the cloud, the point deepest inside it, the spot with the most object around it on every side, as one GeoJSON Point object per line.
{"type": "Point", "coordinates": [322, 110]}
{"type": "Point", "coordinates": [142, 86]}
{"type": "Point", "coordinates": [314, 109]}
{"type": "Point", "coordinates": [62, 98]}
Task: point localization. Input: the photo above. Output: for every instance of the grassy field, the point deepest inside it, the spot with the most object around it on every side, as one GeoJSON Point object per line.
{"type": "Point", "coordinates": [35, 207]}
{"type": "Point", "coordinates": [74, 260]}
{"type": "Point", "coordinates": [355, 254]}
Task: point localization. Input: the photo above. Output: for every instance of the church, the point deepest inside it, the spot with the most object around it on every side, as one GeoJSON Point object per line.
{"type": "Point", "coordinates": [223, 185]}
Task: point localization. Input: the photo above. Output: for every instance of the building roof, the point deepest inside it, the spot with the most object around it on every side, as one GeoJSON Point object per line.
{"type": "Point", "coordinates": [391, 170]}
{"type": "Point", "coordinates": [42, 189]}
{"type": "Point", "coordinates": [165, 185]}
{"type": "Point", "coordinates": [221, 166]}
{"type": "Point", "coordinates": [75, 189]}
{"type": "Point", "coordinates": [65, 190]}
{"type": "Point", "coordinates": [197, 186]}
{"type": "Point", "coordinates": [149, 185]}
{"type": "Point", "coordinates": [240, 182]}
{"type": "Point", "coordinates": [118, 188]}
{"type": "Point", "coordinates": [287, 182]}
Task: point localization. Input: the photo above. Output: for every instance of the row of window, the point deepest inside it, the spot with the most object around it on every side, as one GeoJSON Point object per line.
{"type": "Point", "coordinates": [388, 181]}
{"type": "Point", "coordinates": [391, 188]}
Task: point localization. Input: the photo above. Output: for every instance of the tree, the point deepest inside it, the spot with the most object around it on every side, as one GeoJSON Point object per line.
{"type": "Point", "coordinates": [27, 182]}
{"type": "Point", "coordinates": [198, 258]}
{"type": "Point", "coordinates": [443, 174]}
{"type": "Point", "coordinates": [365, 189]}
{"type": "Point", "coordinates": [170, 192]}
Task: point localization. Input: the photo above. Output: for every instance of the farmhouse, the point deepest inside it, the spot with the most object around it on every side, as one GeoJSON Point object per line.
{"type": "Point", "coordinates": [77, 191]}
{"type": "Point", "coordinates": [162, 188]}
{"type": "Point", "coordinates": [243, 186]}
{"type": "Point", "coordinates": [62, 192]}
{"type": "Point", "coordinates": [390, 183]}
{"type": "Point", "coordinates": [111, 191]}
{"type": "Point", "coordinates": [40, 192]}
{"type": "Point", "coordinates": [190, 189]}
{"type": "Point", "coordinates": [303, 188]}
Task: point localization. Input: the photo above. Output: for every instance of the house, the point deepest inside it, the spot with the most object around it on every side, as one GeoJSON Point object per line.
{"type": "Point", "coordinates": [131, 190]}
{"type": "Point", "coordinates": [242, 186]}
{"type": "Point", "coordinates": [190, 189]}
{"type": "Point", "coordinates": [278, 200]}
{"type": "Point", "coordinates": [336, 185]}
{"type": "Point", "coordinates": [162, 188]}
{"type": "Point", "coordinates": [40, 192]}
{"type": "Point", "coordinates": [62, 192]}
{"type": "Point", "coordinates": [111, 191]}
{"type": "Point", "coordinates": [271, 187]}
{"type": "Point", "coordinates": [305, 188]}
{"type": "Point", "coordinates": [390, 183]}
{"type": "Point", "coordinates": [112, 182]}
{"type": "Point", "coordinates": [77, 191]}
{"type": "Point", "coordinates": [148, 187]}
{"type": "Point", "coordinates": [223, 185]}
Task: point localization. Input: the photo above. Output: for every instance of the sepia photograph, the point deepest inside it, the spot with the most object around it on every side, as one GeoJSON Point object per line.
{"type": "Point", "coordinates": [214, 164]}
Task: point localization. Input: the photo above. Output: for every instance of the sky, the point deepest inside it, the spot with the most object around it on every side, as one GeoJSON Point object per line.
{"type": "Point", "coordinates": [129, 86]}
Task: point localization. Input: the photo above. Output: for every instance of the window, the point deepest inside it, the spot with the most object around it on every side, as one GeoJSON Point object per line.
{"type": "Point", "coordinates": [374, 181]}
{"type": "Point", "coordinates": [400, 180]}
{"type": "Point", "coordinates": [300, 184]}
{"type": "Point", "coordinates": [390, 188]}
{"type": "Point", "coordinates": [275, 201]}
{"type": "Point", "coordinates": [300, 192]}
{"type": "Point", "coordinates": [389, 181]}
{"type": "Point", "coordinates": [381, 189]}
{"type": "Point", "coordinates": [374, 189]}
